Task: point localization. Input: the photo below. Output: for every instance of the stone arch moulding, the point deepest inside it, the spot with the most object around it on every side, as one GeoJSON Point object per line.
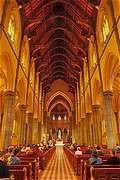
{"type": "Point", "coordinates": [96, 91]}
{"type": "Point", "coordinates": [59, 102]}
{"type": "Point", "coordinates": [8, 66]}
{"type": "Point", "coordinates": [88, 103]}
{"type": "Point", "coordinates": [21, 85]}
{"type": "Point", "coordinates": [111, 69]}
{"type": "Point", "coordinates": [3, 80]}
{"type": "Point", "coordinates": [63, 95]}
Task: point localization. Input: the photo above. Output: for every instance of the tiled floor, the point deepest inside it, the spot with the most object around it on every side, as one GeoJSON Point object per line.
{"type": "Point", "coordinates": [58, 168]}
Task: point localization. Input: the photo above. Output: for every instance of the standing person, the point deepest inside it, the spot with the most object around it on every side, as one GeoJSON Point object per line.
{"type": "Point", "coordinates": [4, 172]}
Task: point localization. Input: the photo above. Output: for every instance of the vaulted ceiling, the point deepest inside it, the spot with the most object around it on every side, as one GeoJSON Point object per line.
{"type": "Point", "coordinates": [59, 31]}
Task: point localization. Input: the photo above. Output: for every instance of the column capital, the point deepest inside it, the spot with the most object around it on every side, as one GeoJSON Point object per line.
{"type": "Point", "coordinates": [35, 119]}
{"type": "Point", "coordinates": [82, 118]}
{"type": "Point", "coordinates": [88, 114]}
{"type": "Point", "coordinates": [95, 107]}
{"type": "Point", "coordinates": [22, 107]}
{"type": "Point", "coordinates": [9, 93]}
{"type": "Point", "coordinates": [108, 93]}
{"type": "Point", "coordinates": [30, 114]}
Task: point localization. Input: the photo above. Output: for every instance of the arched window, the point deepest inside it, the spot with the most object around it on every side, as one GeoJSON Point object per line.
{"type": "Point", "coordinates": [105, 28]}
{"type": "Point", "coordinates": [59, 117]}
{"type": "Point", "coordinates": [11, 28]}
{"type": "Point", "coordinates": [53, 117]}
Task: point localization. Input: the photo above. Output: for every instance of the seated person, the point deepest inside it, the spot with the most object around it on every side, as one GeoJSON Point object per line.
{"type": "Point", "coordinates": [117, 148]}
{"type": "Point", "coordinates": [113, 159]}
{"type": "Point", "coordinates": [99, 152]}
{"type": "Point", "coordinates": [94, 159]}
{"type": "Point", "coordinates": [88, 150]}
{"type": "Point", "coordinates": [4, 172]}
{"type": "Point", "coordinates": [78, 152]}
{"type": "Point", "coordinates": [13, 159]}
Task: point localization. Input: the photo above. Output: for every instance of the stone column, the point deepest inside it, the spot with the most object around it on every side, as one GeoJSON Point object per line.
{"type": "Point", "coordinates": [78, 132]}
{"type": "Point", "coordinates": [73, 126]}
{"type": "Point", "coordinates": [39, 132]}
{"type": "Point", "coordinates": [85, 127]}
{"type": "Point", "coordinates": [8, 118]}
{"type": "Point", "coordinates": [22, 124]}
{"type": "Point", "coordinates": [78, 102]}
{"type": "Point", "coordinates": [96, 124]}
{"type": "Point", "coordinates": [108, 116]}
{"type": "Point", "coordinates": [35, 131]}
{"type": "Point", "coordinates": [29, 128]}
{"type": "Point", "coordinates": [83, 130]}
{"type": "Point", "coordinates": [88, 128]}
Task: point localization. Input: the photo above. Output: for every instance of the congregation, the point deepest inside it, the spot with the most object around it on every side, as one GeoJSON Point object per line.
{"type": "Point", "coordinates": [15, 155]}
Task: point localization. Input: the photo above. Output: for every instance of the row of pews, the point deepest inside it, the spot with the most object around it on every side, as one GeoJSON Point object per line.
{"type": "Point", "coordinates": [92, 172]}
{"type": "Point", "coordinates": [30, 166]}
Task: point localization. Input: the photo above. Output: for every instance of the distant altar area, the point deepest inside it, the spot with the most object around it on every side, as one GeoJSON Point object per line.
{"type": "Point", "coordinates": [59, 143]}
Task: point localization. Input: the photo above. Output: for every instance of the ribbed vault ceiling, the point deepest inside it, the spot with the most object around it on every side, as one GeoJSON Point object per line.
{"type": "Point", "coordinates": [59, 31]}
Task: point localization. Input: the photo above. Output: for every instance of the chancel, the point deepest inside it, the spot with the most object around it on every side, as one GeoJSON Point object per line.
{"type": "Point", "coordinates": [60, 89]}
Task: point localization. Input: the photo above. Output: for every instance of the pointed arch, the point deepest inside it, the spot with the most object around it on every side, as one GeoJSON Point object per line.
{"type": "Point", "coordinates": [57, 94]}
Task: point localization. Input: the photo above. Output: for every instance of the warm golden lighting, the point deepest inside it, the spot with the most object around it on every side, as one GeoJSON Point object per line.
{"type": "Point", "coordinates": [105, 28]}
{"type": "Point", "coordinates": [11, 28]}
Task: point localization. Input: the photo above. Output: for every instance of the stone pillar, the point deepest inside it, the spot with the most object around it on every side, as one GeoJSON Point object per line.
{"type": "Point", "coordinates": [83, 130]}
{"type": "Point", "coordinates": [35, 131]}
{"type": "Point", "coordinates": [73, 126]}
{"type": "Point", "coordinates": [45, 122]}
{"type": "Point", "coordinates": [108, 116]}
{"type": "Point", "coordinates": [78, 133]}
{"type": "Point", "coordinates": [29, 128]}
{"type": "Point", "coordinates": [22, 124]}
{"type": "Point", "coordinates": [78, 102]}
{"type": "Point", "coordinates": [39, 132]}
{"type": "Point", "coordinates": [96, 124]}
{"type": "Point", "coordinates": [8, 118]}
{"type": "Point", "coordinates": [88, 128]}
{"type": "Point", "coordinates": [85, 127]}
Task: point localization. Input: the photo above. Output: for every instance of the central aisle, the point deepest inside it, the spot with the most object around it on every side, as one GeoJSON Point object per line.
{"type": "Point", "coordinates": [58, 168]}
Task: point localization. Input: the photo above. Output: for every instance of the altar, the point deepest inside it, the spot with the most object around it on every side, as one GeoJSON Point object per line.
{"type": "Point", "coordinates": [59, 143]}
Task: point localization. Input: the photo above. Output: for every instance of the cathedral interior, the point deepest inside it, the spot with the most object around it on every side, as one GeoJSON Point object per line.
{"type": "Point", "coordinates": [59, 88]}
{"type": "Point", "coordinates": [60, 71]}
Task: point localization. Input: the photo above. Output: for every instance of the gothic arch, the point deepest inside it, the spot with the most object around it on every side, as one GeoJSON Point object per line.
{"type": "Point", "coordinates": [59, 102]}
{"type": "Point", "coordinates": [96, 92]}
{"type": "Point", "coordinates": [21, 85]}
{"type": "Point", "coordinates": [63, 95]}
{"type": "Point", "coordinates": [7, 68]}
{"type": "Point", "coordinates": [88, 103]}
{"type": "Point", "coordinates": [111, 69]}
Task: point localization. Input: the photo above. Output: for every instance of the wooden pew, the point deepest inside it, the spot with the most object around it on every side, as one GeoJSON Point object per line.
{"type": "Point", "coordinates": [19, 174]}
{"type": "Point", "coordinates": [35, 167]}
{"type": "Point", "coordinates": [87, 169]}
{"type": "Point", "coordinates": [20, 167]}
{"type": "Point", "coordinates": [104, 173]}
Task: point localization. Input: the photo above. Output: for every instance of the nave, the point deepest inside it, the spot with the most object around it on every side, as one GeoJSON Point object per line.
{"type": "Point", "coordinates": [58, 168]}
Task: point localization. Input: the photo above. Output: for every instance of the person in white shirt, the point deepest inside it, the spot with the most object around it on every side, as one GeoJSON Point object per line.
{"type": "Point", "coordinates": [78, 152]}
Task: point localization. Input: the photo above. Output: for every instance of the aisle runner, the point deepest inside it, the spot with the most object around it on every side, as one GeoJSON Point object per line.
{"type": "Point", "coordinates": [58, 168]}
